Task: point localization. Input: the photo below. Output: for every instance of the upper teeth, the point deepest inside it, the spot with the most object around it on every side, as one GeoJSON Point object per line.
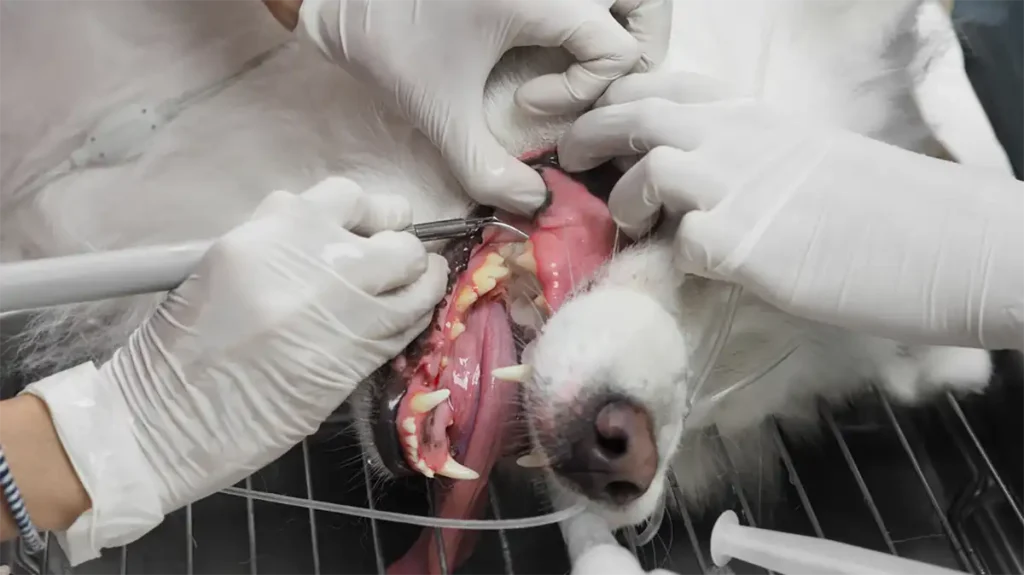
{"type": "Point", "coordinates": [526, 260]}
{"type": "Point", "coordinates": [424, 402]}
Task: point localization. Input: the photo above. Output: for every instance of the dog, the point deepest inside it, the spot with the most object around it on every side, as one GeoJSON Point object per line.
{"type": "Point", "coordinates": [112, 159]}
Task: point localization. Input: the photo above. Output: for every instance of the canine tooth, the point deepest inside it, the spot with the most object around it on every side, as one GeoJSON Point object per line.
{"type": "Point", "coordinates": [456, 330]}
{"type": "Point", "coordinates": [424, 402]}
{"type": "Point", "coordinates": [422, 467]}
{"type": "Point", "coordinates": [456, 470]}
{"type": "Point", "coordinates": [409, 424]}
{"type": "Point", "coordinates": [517, 373]}
{"type": "Point", "coordinates": [532, 460]}
{"type": "Point", "coordinates": [526, 259]}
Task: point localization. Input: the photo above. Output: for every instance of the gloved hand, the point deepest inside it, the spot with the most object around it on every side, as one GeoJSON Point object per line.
{"type": "Point", "coordinates": [611, 559]}
{"type": "Point", "coordinates": [821, 223]}
{"type": "Point", "coordinates": [431, 58]}
{"type": "Point", "coordinates": [284, 316]}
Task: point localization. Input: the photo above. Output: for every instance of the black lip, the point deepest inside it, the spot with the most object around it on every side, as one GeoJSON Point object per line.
{"type": "Point", "coordinates": [598, 181]}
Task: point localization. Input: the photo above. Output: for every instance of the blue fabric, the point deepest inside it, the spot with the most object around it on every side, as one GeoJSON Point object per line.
{"type": "Point", "coordinates": [12, 495]}
{"type": "Point", "coordinates": [992, 35]}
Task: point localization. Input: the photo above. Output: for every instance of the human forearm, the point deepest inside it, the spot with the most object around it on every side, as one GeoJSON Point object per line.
{"type": "Point", "coordinates": [285, 11]}
{"type": "Point", "coordinates": [53, 494]}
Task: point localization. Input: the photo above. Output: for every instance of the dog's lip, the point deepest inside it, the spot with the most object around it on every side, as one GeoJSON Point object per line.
{"type": "Point", "coordinates": [385, 428]}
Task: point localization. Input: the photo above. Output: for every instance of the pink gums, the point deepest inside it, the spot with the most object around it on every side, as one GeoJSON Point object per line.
{"type": "Point", "coordinates": [571, 239]}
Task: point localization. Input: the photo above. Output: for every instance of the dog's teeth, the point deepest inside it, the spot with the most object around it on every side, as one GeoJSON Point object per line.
{"type": "Point", "coordinates": [517, 373]}
{"type": "Point", "coordinates": [510, 250]}
{"type": "Point", "coordinates": [421, 466]}
{"type": "Point", "coordinates": [467, 297]}
{"type": "Point", "coordinates": [412, 447]}
{"type": "Point", "coordinates": [532, 460]}
{"type": "Point", "coordinates": [456, 470]}
{"type": "Point", "coordinates": [486, 277]}
{"type": "Point", "coordinates": [526, 259]}
{"type": "Point", "coordinates": [424, 402]}
{"type": "Point", "coordinates": [456, 330]}
{"type": "Point", "coordinates": [409, 425]}
{"type": "Point", "coordinates": [542, 304]}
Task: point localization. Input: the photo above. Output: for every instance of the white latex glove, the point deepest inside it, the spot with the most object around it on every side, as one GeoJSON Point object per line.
{"type": "Point", "coordinates": [821, 223]}
{"type": "Point", "coordinates": [284, 316]}
{"type": "Point", "coordinates": [431, 59]}
{"type": "Point", "coordinates": [611, 559]}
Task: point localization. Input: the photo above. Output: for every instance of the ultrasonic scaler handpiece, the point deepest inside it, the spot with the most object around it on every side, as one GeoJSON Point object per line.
{"type": "Point", "coordinates": [95, 276]}
{"type": "Point", "coordinates": [457, 228]}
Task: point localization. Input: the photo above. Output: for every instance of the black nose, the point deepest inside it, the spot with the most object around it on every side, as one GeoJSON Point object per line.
{"type": "Point", "coordinates": [614, 457]}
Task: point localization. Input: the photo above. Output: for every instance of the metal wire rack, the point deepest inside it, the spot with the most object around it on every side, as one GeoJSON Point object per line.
{"type": "Point", "coordinates": [935, 484]}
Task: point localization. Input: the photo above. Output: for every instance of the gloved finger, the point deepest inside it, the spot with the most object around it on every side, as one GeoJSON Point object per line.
{"type": "Point", "coordinates": [628, 129]}
{"type": "Point", "coordinates": [388, 261]}
{"type": "Point", "coordinates": [608, 558]}
{"type": "Point", "coordinates": [490, 175]}
{"type": "Point", "coordinates": [604, 51]}
{"type": "Point", "coordinates": [410, 302]}
{"type": "Point", "coordinates": [678, 87]}
{"type": "Point", "coordinates": [404, 337]}
{"type": "Point", "coordinates": [342, 202]}
{"type": "Point", "coordinates": [665, 177]}
{"type": "Point", "coordinates": [699, 245]}
{"type": "Point", "coordinates": [354, 209]}
{"type": "Point", "coordinates": [276, 203]}
{"type": "Point", "coordinates": [650, 23]}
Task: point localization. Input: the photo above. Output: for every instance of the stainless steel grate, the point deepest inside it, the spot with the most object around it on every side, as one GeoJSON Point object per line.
{"type": "Point", "coordinates": [915, 483]}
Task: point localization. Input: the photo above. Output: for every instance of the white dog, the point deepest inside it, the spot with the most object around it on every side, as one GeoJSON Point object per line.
{"type": "Point", "coordinates": [97, 157]}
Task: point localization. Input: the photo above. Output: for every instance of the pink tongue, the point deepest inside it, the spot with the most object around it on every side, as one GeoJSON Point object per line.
{"type": "Point", "coordinates": [571, 239]}
{"type": "Point", "coordinates": [487, 326]}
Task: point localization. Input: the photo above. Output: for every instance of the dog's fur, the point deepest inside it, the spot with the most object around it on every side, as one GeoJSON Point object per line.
{"type": "Point", "coordinates": [295, 119]}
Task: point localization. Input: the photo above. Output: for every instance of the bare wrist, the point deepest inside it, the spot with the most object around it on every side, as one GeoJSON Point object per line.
{"type": "Point", "coordinates": [53, 494]}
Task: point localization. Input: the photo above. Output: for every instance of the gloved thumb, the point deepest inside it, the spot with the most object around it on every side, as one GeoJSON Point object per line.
{"type": "Point", "coordinates": [701, 247]}
{"type": "Point", "coordinates": [490, 175]}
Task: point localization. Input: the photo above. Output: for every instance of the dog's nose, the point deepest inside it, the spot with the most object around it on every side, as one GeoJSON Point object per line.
{"type": "Point", "coordinates": [616, 459]}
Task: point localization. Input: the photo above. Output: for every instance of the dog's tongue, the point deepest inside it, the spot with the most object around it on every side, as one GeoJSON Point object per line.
{"type": "Point", "coordinates": [573, 236]}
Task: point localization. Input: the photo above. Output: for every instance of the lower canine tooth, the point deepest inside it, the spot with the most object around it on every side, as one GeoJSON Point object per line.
{"type": "Point", "coordinates": [421, 466]}
{"type": "Point", "coordinates": [424, 402]}
{"type": "Point", "coordinates": [532, 460]}
{"type": "Point", "coordinates": [517, 373]}
{"type": "Point", "coordinates": [456, 470]}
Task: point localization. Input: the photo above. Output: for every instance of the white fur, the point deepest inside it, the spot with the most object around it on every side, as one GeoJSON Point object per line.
{"type": "Point", "coordinates": [296, 119]}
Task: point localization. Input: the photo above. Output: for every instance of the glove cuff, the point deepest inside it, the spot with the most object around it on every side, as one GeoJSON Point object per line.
{"type": "Point", "coordinates": [93, 424]}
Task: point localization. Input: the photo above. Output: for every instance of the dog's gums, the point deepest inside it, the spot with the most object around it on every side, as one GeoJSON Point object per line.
{"type": "Point", "coordinates": [444, 411]}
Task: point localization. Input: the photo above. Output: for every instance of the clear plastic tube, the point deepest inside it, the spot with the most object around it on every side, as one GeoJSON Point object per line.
{"type": "Point", "coordinates": [409, 519]}
{"type": "Point", "coordinates": [721, 336]}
